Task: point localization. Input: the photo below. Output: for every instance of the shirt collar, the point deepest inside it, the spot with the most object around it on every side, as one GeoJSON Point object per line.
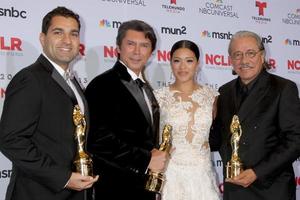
{"type": "Point", "coordinates": [131, 73]}
{"type": "Point", "coordinates": [60, 70]}
{"type": "Point", "coordinates": [251, 84]}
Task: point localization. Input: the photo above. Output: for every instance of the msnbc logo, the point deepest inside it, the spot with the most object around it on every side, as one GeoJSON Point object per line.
{"type": "Point", "coordinates": [216, 35]}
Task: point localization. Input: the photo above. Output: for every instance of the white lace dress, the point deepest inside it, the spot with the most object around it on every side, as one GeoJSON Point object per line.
{"type": "Point", "coordinates": [189, 175]}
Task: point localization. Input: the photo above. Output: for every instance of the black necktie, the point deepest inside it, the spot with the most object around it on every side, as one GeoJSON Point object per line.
{"type": "Point", "coordinates": [155, 108]}
{"type": "Point", "coordinates": [140, 83]}
{"type": "Point", "coordinates": [243, 94]}
{"type": "Point", "coordinates": [145, 87]}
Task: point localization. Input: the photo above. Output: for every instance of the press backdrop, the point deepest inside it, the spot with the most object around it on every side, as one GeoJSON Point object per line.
{"type": "Point", "coordinates": [209, 23]}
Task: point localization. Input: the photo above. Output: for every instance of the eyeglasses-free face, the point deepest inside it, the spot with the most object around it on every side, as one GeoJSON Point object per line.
{"type": "Point", "coordinates": [184, 65]}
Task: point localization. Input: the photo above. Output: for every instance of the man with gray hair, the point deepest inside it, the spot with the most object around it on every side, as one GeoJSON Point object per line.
{"type": "Point", "coordinates": [268, 108]}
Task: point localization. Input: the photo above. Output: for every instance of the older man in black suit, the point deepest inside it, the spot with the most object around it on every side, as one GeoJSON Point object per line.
{"type": "Point", "coordinates": [268, 108]}
{"type": "Point", "coordinates": [124, 119]}
{"type": "Point", "coordinates": [36, 129]}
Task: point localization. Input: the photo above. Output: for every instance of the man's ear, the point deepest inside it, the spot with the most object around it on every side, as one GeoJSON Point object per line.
{"type": "Point", "coordinates": [42, 39]}
{"type": "Point", "coordinates": [262, 56]}
{"type": "Point", "coordinates": [118, 49]}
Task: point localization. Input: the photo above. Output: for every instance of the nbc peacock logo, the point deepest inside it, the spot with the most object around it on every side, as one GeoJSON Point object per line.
{"type": "Point", "coordinates": [291, 42]}
{"type": "Point", "coordinates": [204, 33]}
{"type": "Point", "coordinates": [105, 23]}
{"type": "Point", "coordinates": [287, 42]}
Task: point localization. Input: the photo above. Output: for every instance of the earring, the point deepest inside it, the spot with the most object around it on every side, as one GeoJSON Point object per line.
{"type": "Point", "coordinates": [172, 77]}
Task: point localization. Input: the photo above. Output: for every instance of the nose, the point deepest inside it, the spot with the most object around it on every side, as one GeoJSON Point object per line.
{"type": "Point", "coordinates": [137, 49]}
{"type": "Point", "coordinates": [244, 58]}
{"type": "Point", "coordinates": [66, 38]}
{"type": "Point", "coordinates": [181, 65]}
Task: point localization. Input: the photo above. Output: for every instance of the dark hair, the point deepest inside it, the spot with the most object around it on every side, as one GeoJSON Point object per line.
{"type": "Point", "coordinates": [186, 44]}
{"type": "Point", "coordinates": [137, 25]}
{"type": "Point", "coordinates": [259, 43]}
{"type": "Point", "coordinates": [59, 11]}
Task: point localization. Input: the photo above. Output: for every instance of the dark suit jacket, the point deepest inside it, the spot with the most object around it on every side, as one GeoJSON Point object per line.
{"type": "Point", "coordinates": [121, 135]}
{"type": "Point", "coordinates": [37, 134]}
{"type": "Point", "coordinates": [270, 141]}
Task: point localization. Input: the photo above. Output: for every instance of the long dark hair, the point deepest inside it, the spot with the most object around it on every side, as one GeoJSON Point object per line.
{"type": "Point", "coordinates": [186, 44]}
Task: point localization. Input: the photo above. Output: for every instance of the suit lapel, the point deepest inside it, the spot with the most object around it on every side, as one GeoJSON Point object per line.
{"type": "Point", "coordinates": [80, 92]}
{"type": "Point", "coordinates": [139, 97]}
{"type": "Point", "coordinates": [256, 95]}
{"type": "Point", "coordinates": [230, 104]}
{"type": "Point", "coordinates": [58, 78]}
{"type": "Point", "coordinates": [230, 99]}
{"type": "Point", "coordinates": [63, 84]}
{"type": "Point", "coordinates": [86, 109]}
{"type": "Point", "coordinates": [233, 96]}
{"type": "Point", "coordinates": [133, 89]}
{"type": "Point", "coordinates": [156, 116]}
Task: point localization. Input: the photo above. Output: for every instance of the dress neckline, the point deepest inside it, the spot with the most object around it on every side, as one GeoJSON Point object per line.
{"type": "Point", "coordinates": [174, 90]}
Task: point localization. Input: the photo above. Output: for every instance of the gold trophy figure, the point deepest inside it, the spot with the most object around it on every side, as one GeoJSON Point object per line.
{"type": "Point", "coordinates": [156, 179]}
{"type": "Point", "coordinates": [235, 166]}
{"type": "Point", "coordinates": [83, 162]}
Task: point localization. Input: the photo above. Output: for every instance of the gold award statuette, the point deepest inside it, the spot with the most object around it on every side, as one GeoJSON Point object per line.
{"type": "Point", "coordinates": [235, 166]}
{"type": "Point", "coordinates": [83, 162]}
{"type": "Point", "coordinates": [155, 180]}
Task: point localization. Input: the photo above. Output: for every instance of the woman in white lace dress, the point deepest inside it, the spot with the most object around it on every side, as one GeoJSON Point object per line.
{"type": "Point", "coordinates": [188, 107]}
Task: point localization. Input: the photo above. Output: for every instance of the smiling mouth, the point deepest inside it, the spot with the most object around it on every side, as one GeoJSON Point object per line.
{"type": "Point", "coordinates": [182, 73]}
{"type": "Point", "coordinates": [64, 49]}
{"type": "Point", "coordinates": [246, 67]}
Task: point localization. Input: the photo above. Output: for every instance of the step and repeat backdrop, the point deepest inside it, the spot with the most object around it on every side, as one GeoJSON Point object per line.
{"type": "Point", "coordinates": [209, 23]}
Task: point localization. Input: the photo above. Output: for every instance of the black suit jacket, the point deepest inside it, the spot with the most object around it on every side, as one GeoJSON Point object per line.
{"type": "Point", "coordinates": [121, 135]}
{"type": "Point", "coordinates": [37, 133]}
{"type": "Point", "coordinates": [270, 140]}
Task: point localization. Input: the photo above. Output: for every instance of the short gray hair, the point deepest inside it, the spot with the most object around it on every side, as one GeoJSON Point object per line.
{"type": "Point", "coordinates": [241, 34]}
{"type": "Point", "coordinates": [259, 42]}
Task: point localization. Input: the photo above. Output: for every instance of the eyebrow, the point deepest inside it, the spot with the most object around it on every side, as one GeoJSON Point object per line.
{"type": "Point", "coordinates": [57, 29]}
{"type": "Point", "coordinates": [246, 50]}
{"type": "Point", "coordinates": [61, 29]}
{"type": "Point", "coordinates": [129, 40]}
{"type": "Point", "coordinates": [190, 57]}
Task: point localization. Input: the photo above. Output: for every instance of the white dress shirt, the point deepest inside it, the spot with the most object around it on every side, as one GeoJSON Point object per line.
{"type": "Point", "coordinates": [64, 73]}
{"type": "Point", "coordinates": [134, 77]}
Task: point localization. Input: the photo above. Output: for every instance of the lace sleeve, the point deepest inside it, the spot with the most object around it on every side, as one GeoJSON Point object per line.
{"type": "Point", "coordinates": [159, 95]}
{"type": "Point", "coordinates": [211, 93]}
